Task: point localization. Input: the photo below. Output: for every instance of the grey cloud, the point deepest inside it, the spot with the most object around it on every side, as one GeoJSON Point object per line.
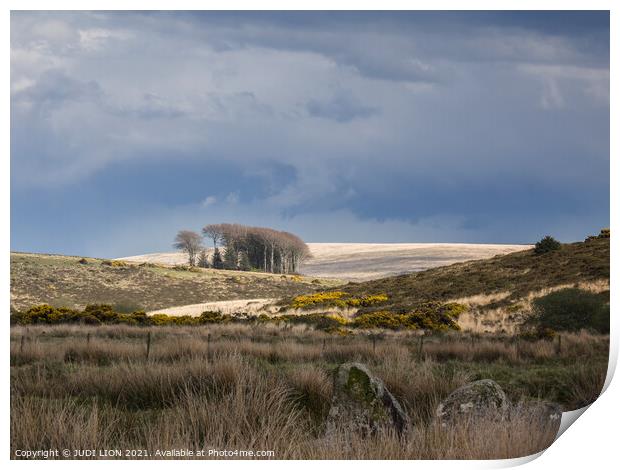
{"type": "Point", "coordinates": [238, 104]}
{"type": "Point", "coordinates": [150, 106]}
{"type": "Point", "coordinates": [404, 47]}
{"type": "Point", "coordinates": [341, 108]}
{"type": "Point", "coordinates": [54, 88]}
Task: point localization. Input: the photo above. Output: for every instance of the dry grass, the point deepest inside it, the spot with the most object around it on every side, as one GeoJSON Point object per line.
{"type": "Point", "coordinates": [63, 281]}
{"type": "Point", "coordinates": [500, 281]}
{"type": "Point", "coordinates": [269, 388]}
{"type": "Point", "coordinates": [480, 317]}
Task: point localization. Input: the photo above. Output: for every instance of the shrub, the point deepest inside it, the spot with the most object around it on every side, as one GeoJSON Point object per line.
{"type": "Point", "coordinates": [114, 263]}
{"type": "Point", "coordinates": [571, 310]}
{"type": "Point", "coordinates": [90, 320]}
{"type": "Point", "coordinates": [383, 319]}
{"type": "Point", "coordinates": [161, 319]}
{"type": "Point", "coordinates": [91, 315]}
{"type": "Point", "coordinates": [140, 317]}
{"type": "Point", "coordinates": [213, 317]}
{"type": "Point", "coordinates": [336, 299]}
{"type": "Point", "coordinates": [432, 316]}
{"type": "Point", "coordinates": [366, 301]}
{"type": "Point", "coordinates": [320, 321]}
{"type": "Point", "coordinates": [185, 320]}
{"type": "Point", "coordinates": [45, 314]}
{"type": "Point", "coordinates": [313, 300]}
{"type": "Point", "coordinates": [105, 313]}
{"type": "Point", "coordinates": [546, 245]}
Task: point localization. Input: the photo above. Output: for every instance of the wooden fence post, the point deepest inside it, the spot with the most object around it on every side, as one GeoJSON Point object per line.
{"type": "Point", "coordinates": [88, 339]}
{"type": "Point", "coordinates": [21, 343]}
{"type": "Point", "coordinates": [148, 345]}
{"type": "Point", "coordinates": [420, 346]}
{"type": "Point", "coordinates": [559, 347]}
{"type": "Point", "coordinates": [518, 348]}
{"type": "Point", "coordinates": [209, 347]}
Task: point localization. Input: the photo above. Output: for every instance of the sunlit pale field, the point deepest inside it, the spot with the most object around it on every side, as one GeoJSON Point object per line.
{"type": "Point", "coordinates": [364, 261]}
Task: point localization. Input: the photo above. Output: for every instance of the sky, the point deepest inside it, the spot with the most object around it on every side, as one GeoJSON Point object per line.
{"type": "Point", "coordinates": [474, 127]}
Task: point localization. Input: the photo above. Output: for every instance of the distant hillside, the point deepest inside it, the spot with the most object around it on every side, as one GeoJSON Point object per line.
{"type": "Point", "coordinates": [497, 290]}
{"type": "Point", "coordinates": [365, 261]}
{"type": "Point", "coordinates": [64, 281]}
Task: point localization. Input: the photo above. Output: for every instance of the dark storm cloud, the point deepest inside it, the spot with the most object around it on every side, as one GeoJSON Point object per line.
{"type": "Point", "coordinates": [393, 126]}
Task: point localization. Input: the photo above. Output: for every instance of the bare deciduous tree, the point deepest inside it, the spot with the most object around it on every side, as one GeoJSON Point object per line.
{"type": "Point", "coordinates": [190, 242]}
{"type": "Point", "coordinates": [214, 232]}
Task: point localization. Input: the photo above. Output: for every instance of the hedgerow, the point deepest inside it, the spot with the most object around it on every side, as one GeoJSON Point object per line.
{"type": "Point", "coordinates": [431, 316]}
{"type": "Point", "coordinates": [91, 315]}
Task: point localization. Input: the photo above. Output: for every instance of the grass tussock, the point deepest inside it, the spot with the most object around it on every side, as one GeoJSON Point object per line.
{"type": "Point", "coordinates": [269, 388]}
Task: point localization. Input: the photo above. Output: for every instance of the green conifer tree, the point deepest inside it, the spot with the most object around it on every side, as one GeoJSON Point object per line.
{"type": "Point", "coordinates": [217, 262]}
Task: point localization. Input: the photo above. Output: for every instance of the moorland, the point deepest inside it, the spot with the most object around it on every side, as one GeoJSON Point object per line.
{"type": "Point", "coordinates": [87, 375]}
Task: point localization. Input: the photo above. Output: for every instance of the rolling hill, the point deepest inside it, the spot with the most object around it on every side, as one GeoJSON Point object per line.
{"type": "Point", "coordinates": [365, 261]}
{"type": "Point", "coordinates": [499, 290]}
{"type": "Point", "coordinates": [68, 281]}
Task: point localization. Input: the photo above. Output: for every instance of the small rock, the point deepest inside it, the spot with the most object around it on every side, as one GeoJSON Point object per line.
{"type": "Point", "coordinates": [480, 399]}
{"type": "Point", "coordinates": [362, 404]}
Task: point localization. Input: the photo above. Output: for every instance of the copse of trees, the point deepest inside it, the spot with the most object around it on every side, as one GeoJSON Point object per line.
{"type": "Point", "coordinates": [241, 247]}
{"type": "Point", "coordinates": [257, 248]}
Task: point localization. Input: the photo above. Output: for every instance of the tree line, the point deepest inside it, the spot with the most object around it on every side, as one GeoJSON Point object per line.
{"type": "Point", "coordinates": [243, 248]}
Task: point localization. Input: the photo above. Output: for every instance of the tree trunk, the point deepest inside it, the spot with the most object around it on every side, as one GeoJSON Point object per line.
{"type": "Point", "coordinates": [272, 257]}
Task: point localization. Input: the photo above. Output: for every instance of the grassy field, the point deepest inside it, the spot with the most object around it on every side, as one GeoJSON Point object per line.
{"type": "Point", "coordinates": [63, 281]}
{"type": "Point", "coordinates": [268, 388]}
{"type": "Point", "coordinates": [364, 261]}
